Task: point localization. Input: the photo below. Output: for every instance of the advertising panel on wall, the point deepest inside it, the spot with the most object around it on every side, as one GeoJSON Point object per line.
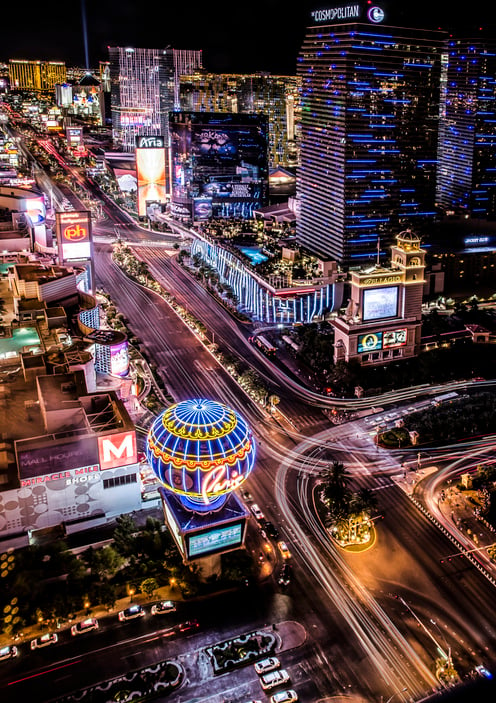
{"type": "Point", "coordinates": [119, 359]}
{"type": "Point", "coordinates": [115, 450]}
{"type": "Point", "coordinates": [74, 136]}
{"type": "Point", "coordinates": [371, 341]}
{"type": "Point", "coordinates": [202, 208]}
{"type": "Point", "coordinates": [395, 338]}
{"type": "Point", "coordinates": [74, 235]}
{"type": "Point", "coordinates": [214, 540]}
{"type": "Point", "coordinates": [151, 171]}
{"type": "Point", "coordinates": [380, 303]}
{"type": "Point", "coordinates": [42, 456]}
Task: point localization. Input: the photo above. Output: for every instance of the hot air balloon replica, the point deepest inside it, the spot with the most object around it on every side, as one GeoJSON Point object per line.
{"type": "Point", "coordinates": [201, 451]}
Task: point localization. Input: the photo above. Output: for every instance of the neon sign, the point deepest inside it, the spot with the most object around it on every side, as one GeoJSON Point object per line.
{"type": "Point", "coordinates": [201, 450]}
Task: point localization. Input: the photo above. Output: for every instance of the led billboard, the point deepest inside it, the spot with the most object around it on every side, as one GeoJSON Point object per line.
{"type": "Point", "coordinates": [215, 540]}
{"type": "Point", "coordinates": [369, 342]}
{"type": "Point", "coordinates": [151, 171]}
{"type": "Point", "coordinates": [119, 359]}
{"type": "Point", "coordinates": [395, 338]}
{"type": "Point", "coordinates": [74, 136]}
{"type": "Point", "coordinates": [74, 235]}
{"type": "Point", "coordinates": [380, 303]}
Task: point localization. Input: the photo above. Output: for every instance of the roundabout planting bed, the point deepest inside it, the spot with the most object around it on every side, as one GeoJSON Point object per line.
{"type": "Point", "coordinates": [241, 650]}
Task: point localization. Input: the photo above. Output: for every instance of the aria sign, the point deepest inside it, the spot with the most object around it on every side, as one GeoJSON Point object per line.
{"type": "Point", "coordinates": [347, 12]}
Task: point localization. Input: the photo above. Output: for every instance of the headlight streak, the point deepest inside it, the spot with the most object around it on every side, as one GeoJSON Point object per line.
{"type": "Point", "coordinates": [366, 618]}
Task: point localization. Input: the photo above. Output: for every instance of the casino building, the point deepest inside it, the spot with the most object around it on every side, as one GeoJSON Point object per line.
{"type": "Point", "coordinates": [383, 318]}
{"type": "Point", "coordinates": [70, 460]}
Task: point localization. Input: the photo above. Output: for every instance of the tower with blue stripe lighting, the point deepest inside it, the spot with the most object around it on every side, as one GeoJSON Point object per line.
{"type": "Point", "coordinates": [369, 132]}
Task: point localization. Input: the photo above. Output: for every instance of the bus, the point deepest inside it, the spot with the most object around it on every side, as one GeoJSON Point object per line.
{"type": "Point", "coordinates": [263, 344]}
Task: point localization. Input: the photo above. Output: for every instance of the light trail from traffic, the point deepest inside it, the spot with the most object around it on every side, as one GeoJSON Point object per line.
{"type": "Point", "coordinates": [374, 631]}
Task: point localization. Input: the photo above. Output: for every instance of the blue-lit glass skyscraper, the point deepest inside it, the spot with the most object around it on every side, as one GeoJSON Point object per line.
{"type": "Point", "coordinates": [369, 132]}
{"type": "Point", "coordinates": [467, 145]}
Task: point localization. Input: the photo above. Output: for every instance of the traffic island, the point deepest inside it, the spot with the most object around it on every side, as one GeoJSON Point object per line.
{"type": "Point", "coordinates": [241, 650]}
{"type": "Point", "coordinates": [359, 539]}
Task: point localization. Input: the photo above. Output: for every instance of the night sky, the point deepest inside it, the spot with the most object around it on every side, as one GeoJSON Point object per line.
{"type": "Point", "coordinates": [236, 36]}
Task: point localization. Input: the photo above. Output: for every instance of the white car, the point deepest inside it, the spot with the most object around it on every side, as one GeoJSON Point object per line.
{"type": "Point", "coordinates": [134, 611]}
{"type": "Point", "coordinates": [8, 652]}
{"type": "Point", "coordinates": [288, 696]}
{"type": "Point", "coordinates": [44, 640]}
{"type": "Point", "coordinates": [283, 548]}
{"type": "Point", "coordinates": [265, 665]}
{"type": "Point", "coordinates": [273, 679]}
{"type": "Point", "coordinates": [84, 626]}
{"type": "Point", "coordinates": [165, 606]}
{"type": "Point", "coordinates": [257, 512]}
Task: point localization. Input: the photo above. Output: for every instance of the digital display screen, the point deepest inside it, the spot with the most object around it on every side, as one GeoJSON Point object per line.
{"type": "Point", "coordinates": [74, 235]}
{"type": "Point", "coordinates": [369, 342]}
{"type": "Point", "coordinates": [380, 303]}
{"type": "Point", "coordinates": [119, 359]}
{"type": "Point", "coordinates": [151, 171]}
{"type": "Point", "coordinates": [394, 338]}
{"type": "Point", "coordinates": [215, 540]}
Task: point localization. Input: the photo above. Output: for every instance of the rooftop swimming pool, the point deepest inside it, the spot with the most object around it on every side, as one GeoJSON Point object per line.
{"type": "Point", "coordinates": [10, 347]}
{"type": "Point", "coordinates": [254, 254]}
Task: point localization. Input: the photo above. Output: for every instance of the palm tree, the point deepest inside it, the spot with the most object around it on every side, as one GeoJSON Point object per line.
{"type": "Point", "coordinates": [335, 491]}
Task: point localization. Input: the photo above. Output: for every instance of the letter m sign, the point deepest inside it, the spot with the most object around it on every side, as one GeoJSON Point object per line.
{"type": "Point", "coordinates": [117, 450]}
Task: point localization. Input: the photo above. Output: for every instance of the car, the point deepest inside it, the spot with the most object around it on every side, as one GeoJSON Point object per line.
{"type": "Point", "coordinates": [8, 652]}
{"type": "Point", "coordinates": [257, 512]}
{"type": "Point", "coordinates": [134, 611]}
{"type": "Point", "coordinates": [483, 671]}
{"type": "Point", "coordinates": [187, 626]}
{"type": "Point", "coordinates": [273, 679]}
{"type": "Point", "coordinates": [44, 640]}
{"type": "Point", "coordinates": [271, 529]}
{"type": "Point", "coordinates": [84, 626]}
{"type": "Point", "coordinates": [265, 665]}
{"type": "Point", "coordinates": [283, 548]}
{"type": "Point", "coordinates": [165, 606]}
{"type": "Point", "coordinates": [288, 696]}
{"type": "Point", "coordinates": [246, 495]}
{"type": "Point", "coordinates": [284, 578]}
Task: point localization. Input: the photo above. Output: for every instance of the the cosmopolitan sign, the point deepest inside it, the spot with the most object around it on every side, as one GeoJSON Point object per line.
{"type": "Point", "coordinates": [375, 14]}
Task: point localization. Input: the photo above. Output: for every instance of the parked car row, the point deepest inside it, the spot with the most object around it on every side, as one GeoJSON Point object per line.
{"type": "Point", "coordinates": [133, 611]}
{"type": "Point", "coordinates": [272, 676]}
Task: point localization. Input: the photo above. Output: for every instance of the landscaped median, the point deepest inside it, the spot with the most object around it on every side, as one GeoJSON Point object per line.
{"type": "Point", "coordinates": [241, 650]}
{"type": "Point", "coordinates": [140, 685]}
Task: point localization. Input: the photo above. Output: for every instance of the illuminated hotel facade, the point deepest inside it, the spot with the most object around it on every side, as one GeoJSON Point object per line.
{"type": "Point", "coordinates": [143, 91]}
{"type": "Point", "coordinates": [369, 132]}
{"type": "Point", "coordinates": [277, 97]}
{"type": "Point", "coordinates": [261, 299]}
{"type": "Point", "coordinates": [36, 75]}
{"type": "Point", "coordinates": [467, 145]}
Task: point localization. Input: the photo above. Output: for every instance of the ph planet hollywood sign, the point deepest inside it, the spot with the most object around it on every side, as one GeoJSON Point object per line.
{"type": "Point", "coordinates": [348, 12]}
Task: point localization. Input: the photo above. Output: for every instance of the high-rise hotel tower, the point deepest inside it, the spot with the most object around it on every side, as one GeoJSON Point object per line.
{"type": "Point", "coordinates": [467, 145]}
{"type": "Point", "coordinates": [369, 132]}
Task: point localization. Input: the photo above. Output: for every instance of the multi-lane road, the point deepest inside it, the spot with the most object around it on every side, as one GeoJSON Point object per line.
{"type": "Point", "coordinates": [374, 621]}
